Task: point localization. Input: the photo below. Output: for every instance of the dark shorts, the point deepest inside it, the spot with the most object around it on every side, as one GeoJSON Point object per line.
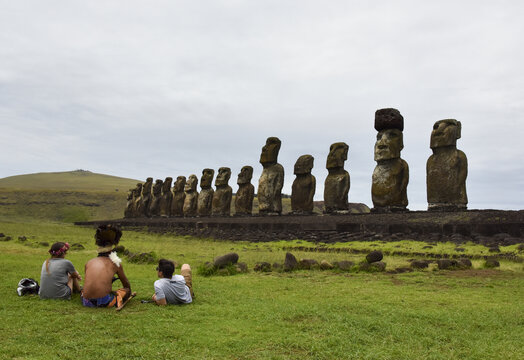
{"type": "Point", "coordinates": [106, 301]}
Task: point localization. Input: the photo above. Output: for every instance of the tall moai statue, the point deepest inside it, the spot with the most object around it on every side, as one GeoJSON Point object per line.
{"type": "Point", "coordinates": [191, 198]}
{"type": "Point", "coordinates": [177, 205]}
{"type": "Point", "coordinates": [391, 175]}
{"type": "Point", "coordinates": [145, 199]}
{"type": "Point", "coordinates": [303, 189]}
{"type": "Point", "coordinates": [166, 197]}
{"type": "Point", "coordinates": [137, 198]}
{"type": "Point", "coordinates": [223, 193]}
{"type": "Point", "coordinates": [205, 198]}
{"type": "Point", "coordinates": [246, 192]}
{"type": "Point", "coordinates": [154, 208]}
{"type": "Point", "coordinates": [272, 179]}
{"type": "Point", "coordinates": [336, 186]}
{"type": "Point", "coordinates": [128, 212]}
{"type": "Point", "coordinates": [446, 169]}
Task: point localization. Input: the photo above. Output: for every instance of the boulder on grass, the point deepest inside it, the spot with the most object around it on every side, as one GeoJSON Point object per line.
{"type": "Point", "coordinates": [419, 264]}
{"type": "Point", "coordinates": [374, 256]}
{"type": "Point", "coordinates": [446, 264]}
{"type": "Point", "coordinates": [225, 260]}
{"type": "Point", "coordinates": [491, 263]}
{"type": "Point", "coordinates": [241, 267]}
{"type": "Point", "coordinates": [345, 265]}
{"type": "Point", "coordinates": [262, 267]}
{"type": "Point", "coordinates": [307, 264]}
{"type": "Point", "coordinates": [325, 265]}
{"type": "Point", "coordinates": [290, 263]}
{"type": "Point", "coordinates": [464, 263]}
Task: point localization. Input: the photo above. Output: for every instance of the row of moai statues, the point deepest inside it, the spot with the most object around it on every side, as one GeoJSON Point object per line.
{"type": "Point", "coordinates": [446, 179]}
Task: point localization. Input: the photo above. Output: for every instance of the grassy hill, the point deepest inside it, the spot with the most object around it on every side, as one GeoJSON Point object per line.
{"type": "Point", "coordinates": [64, 196]}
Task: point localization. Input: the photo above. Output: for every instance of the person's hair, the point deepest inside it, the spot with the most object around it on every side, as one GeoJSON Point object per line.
{"type": "Point", "coordinates": [57, 250]}
{"type": "Point", "coordinates": [167, 267]}
{"type": "Point", "coordinates": [107, 235]}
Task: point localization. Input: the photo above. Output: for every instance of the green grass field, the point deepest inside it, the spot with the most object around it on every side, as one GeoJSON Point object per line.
{"type": "Point", "coordinates": [463, 314]}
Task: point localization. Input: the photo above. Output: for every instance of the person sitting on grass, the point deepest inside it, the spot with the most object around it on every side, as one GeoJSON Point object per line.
{"type": "Point", "coordinates": [99, 272]}
{"type": "Point", "coordinates": [58, 278]}
{"type": "Point", "coordinates": [173, 289]}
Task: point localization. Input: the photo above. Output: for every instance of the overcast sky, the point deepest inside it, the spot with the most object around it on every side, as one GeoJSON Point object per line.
{"type": "Point", "coordinates": [167, 88]}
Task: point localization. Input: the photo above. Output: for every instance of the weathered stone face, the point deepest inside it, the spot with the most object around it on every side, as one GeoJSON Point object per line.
{"type": "Point", "coordinates": [445, 133]}
{"type": "Point", "coordinates": [303, 188]}
{"type": "Point", "coordinates": [154, 208]}
{"type": "Point", "coordinates": [338, 153]}
{"type": "Point", "coordinates": [177, 205]}
{"type": "Point", "coordinates": [389, 144]}
{"type": "Point", "coordinates": [304, 165]}
{"type": "Point", "coordinates": [244, 199]}
{"type": "Point", "coordinates": [145, 198]}
{"type": "Point", "coordinates": [207, 178]}
{"type": "Point", "coordinates": [270, 151]}
{"type": "Point", "coordinates": [270, 190]}
{"type": "Point", "coordinates": [446, 169]}
{"type": "Point", "coordinates": [221, 205]}
{"type": "Point", "coordinates": [166, 197]}
{"type": "Point", "coordinates": [191, 198]}
{"type": "Point", "coordinates": [245, 175]}
{"type": "Point", "coordinates": [224, 173]}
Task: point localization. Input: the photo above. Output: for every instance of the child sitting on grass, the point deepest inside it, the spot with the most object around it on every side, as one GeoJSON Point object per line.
{"type": "Point", "coordinates": [173, 289]}
{"type": "Point", "coordinates": [58, 278]}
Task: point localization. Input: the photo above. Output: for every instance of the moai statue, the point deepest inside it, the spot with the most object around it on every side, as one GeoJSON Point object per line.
{"type": "Point", "coordinates": [303, 188]}
{"type": "Point", "coordinates": [223, 193]}
{"type": "Point", "coordinates": [205, 198]}
{"type": "Point", "coordinates": [391, 175]}
{"type": "Point", "coordinates": [177, 205]}
{"type": "Point", "coordinates": [137, 200]}
{"type": "Point", "coordinates": [245, 193]}
{"type": "Point", "coordinates": [128, 212]}
{"type": "Point", "coordinates": [191, 198]}
{"type": "Point", "coordinates": [145, 198]}
{"type": "Point", "coordinates": [446, 169]}
{"type": "Point", "coordinates": [336, 186]}
{"type": "Point", "coordinates": [166, 198]}
{"type": "Point", "coordinates": [272, 179]}
{"type": "Point", "coordinates": [154, 208]}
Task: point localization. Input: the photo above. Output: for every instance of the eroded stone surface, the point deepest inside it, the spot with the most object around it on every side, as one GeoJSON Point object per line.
{"type": "Point", "coordinates": [304, 185]}
{"type": "Point", "coordinates": [166, 197]}
{"type": "Point", "coordinates": [272, 179]}
{"type": "Point", "coordinates": [177, 205]}
{"type": "Point", "coordinates": [145, 198]}
{"type": "Point", "coordinates": [133, 198]}
{"type": "Point", "coordinates": [205, 198]}
{"type": "Point", "coordinates": [446, 169]}
{"type": "Point", "coordinates": [337, 183]}
{"type": "Point", "coordinates": [391, 175]}
{"type": "Point", "coordinates": [222, 197]}
{"type": "Point", "coordinates": [191, 198]}
{"type": "Point", "coordinates": [154, 208]}
{"type": "Point", "coordinates": [246, 192]}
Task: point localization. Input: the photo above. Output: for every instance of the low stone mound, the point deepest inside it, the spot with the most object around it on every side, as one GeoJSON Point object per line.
{"type": "Point", "coordinates": [419, 264]}
{"type": "Point", "coordinates": [344, 265]}
{"type": "Point", "coordinates": [374, 256]}
{"type": "Point", "coordinates": [225, 260]}
{"type": "Point", "coordinates": [325, 265]}
{"type": "Point", "coordinates": [262, 267]}
{"type": "Point", "coordinates": [307, 264]}
{"type": "Point", "coordinates": [491, 263]}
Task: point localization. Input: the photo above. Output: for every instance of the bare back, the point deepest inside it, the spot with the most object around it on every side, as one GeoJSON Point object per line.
{"type": "Point", "coordinates": [99, 274]}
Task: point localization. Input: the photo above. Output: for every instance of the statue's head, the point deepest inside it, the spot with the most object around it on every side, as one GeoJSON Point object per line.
{"type": "Point", "coordinates": [338, 153]}
{"type": "Point", "coordinates": [224, 173]}
{"type": "Point", "coordinates": [149, 180]}
{"type": "Point", "coordinates": [445, 133]}
{"type": "Point", "coordinates": [270, 151]}
{"type": "Point", "coordinates": [245, 175]}
{"type": "Point", "coordinates": [304, 165]}
{"type": "Point", "coordinates": [207, 178]}
{"type": "Point", "coordinates": [179, 184]}
{"type": "Point", "coordinates": [389, 144]}
{"type": "Point", "coordinates": [138, 189]}
{"type": "Point", "coordinates": [157, 188]}
{"type": "Point", "coordinates": [191, 184]}
{"type": "Point", "coordinates": [167, 184]}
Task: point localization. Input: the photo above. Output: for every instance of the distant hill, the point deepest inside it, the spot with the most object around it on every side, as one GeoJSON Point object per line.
{"type": "Point", "coordinates": [78, 195]}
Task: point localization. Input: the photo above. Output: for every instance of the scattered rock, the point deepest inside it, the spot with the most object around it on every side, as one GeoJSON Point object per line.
{"type": "Point", "coordinates": [277, 266]}
{"type": "Point", "coordinates": [290, 263]}
{"type": "Point", "coordinates": [325, 265]}
{"type": "Point", "coordinates": [142, 258]}
{"type": "Point", "coordinates": [494, 249]}
{"type": "Point", "coordinates": [241, 267]}
{"type": "Point", "coordinates": [402, 270]}
{"type": "Point", "coordinates": [224, 260]}
{"type": "Point", "coordinates": [520, 247]}
{"type": "Point", "coordinates": [8, 238]}
{"type": "Point", "coordinates": [372, 267]}
{"type": "Point", "coordinates": [464, 263]}
{"type": "Point", "coordinates": [262, 267]}
{"type": "Point", "coordinates": [345, 265]}
{"type": "Point", "coordinates": [77, 246]}
{"type": "Point", "coordinates": [2, 235]}
{"type": "Point", "coordinates": [307, 264]}
{"type": "Point", "coordinates": [427, 247]}
{"type": "Point", "coordinates": [223, 272]}
{"type": "Point", "coordinates": [374, 256]}
{"type": "Point", "coordinates": [419, 264]}
{"type": "Point", "coordinates": [22, 238]}
{"type": "Point", "coordinates": [446, 264]}
{"type": "Point", "coordinates": [491, 263]}
{"type": "Point", "coordinates": [120, 249]}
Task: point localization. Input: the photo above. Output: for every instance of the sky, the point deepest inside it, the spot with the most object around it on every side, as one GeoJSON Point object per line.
{"type": "Point", "coordinates": [143, 89]}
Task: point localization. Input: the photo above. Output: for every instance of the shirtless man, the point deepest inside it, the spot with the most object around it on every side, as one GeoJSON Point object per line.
{"type": "Point", "coordinates": [99, 272]}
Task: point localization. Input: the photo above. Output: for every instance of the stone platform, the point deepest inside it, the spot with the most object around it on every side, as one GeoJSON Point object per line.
{"type": "Point", "coordinates": [480, 226]}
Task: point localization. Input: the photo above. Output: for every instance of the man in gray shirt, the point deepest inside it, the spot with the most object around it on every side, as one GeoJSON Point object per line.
{"type": "Point", "coordinates": [173, 289]}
